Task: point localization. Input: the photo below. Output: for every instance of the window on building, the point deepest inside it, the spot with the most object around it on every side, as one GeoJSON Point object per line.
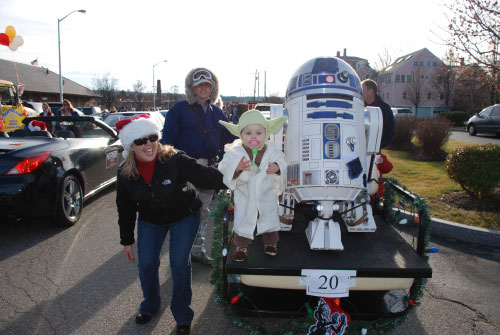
{"type": "Point", "coordinates": [429, 96]}
{"type": "Point", "coordinates": [389, 78]}
{"type": "Point", "coordinates": [398, 78]}
{"type": "Point", "coordinates": [434, 64]}
{"type": "Point", "coordinates": [403, 77]}
{"type": "Point", "coordinates": [428, 63]}
{"type": "Point", "coordinates": [404, 95]}
{"type": "Point", "coordinates": [421, 63]}
{"type": "Point", "coordinates": [441, 96]}
{"type": "Point", "coordinates": [415, 63]}
{"type": "Point", "coordinates": [409, 79]}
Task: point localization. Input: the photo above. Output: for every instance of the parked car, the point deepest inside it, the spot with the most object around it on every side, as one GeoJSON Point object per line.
{"type": "Point", "coordinates": [401, 111]}
{"type": "Point", "coordinates": [36, 106]}
{"type": "Point", "coordinates": [486, 121]}
{"type": "Point", "coordinates": [115, 117]}
{"type": "Point", "coordinates": [51, 174]}
{"type": "Point", "coordinates": [164, 112]}
{"type": "Point", "coordinates": [91, 110]}
{"type": "Point", "coordinates": [265, 109]}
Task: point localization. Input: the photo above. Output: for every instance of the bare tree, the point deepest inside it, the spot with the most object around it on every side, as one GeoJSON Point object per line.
{"type": "Point", "coordinates": [474, 29]}
{"type": "Point", "coordinates": [274, 98]}
{"type": "Point", "coordinates": [105, 87]}
{"type": "Point", "coordinates": [138, 93]}
{"type": "Point", "coordinates": [414, 88]}
{"type": "Point", "coordinates": [384, 60]}
{"type": "Point", "coordinates": [444, 79]}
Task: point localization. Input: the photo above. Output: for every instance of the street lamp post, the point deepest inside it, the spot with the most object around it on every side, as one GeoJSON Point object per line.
{"type": "Point", "coordinates": [59, 45]}
{"type": "Point", "coordinates": [154, 92]}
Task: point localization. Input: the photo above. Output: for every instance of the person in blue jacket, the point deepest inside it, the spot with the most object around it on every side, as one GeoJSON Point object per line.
{"type": "Point", "coordinates": [193, 126]}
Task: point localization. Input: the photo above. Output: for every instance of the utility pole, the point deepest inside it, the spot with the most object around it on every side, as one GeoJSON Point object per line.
{"type": "Point", "coordinates": [255, 83]}
{"type": "Point", "coordinates": [258, 86]}
{"type": "Point", "coordinates": [265, 81]}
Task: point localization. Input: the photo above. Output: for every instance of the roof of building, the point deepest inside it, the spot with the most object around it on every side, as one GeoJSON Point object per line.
{"type": "Point", "coordinates": [401, 60]}
{"type": "Point", "coordinates": [39, 79]}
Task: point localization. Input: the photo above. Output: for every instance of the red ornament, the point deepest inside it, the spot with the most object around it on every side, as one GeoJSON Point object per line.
{"type": "Point", "coordinates": [411, 302]}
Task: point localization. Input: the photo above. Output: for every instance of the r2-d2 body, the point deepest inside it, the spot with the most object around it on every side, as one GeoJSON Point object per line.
{"type": "Point", "coordinates": [329, 143]}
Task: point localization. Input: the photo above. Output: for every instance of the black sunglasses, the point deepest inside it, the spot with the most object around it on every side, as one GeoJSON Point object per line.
{"type": "Point", "coordinates": [144, 140]}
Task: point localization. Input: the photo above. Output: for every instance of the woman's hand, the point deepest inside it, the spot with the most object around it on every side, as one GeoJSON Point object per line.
{"type": "Point", "coordinates": [129, 253]}
{"type": "Point", "coordinates": [244, 164]}
{"type": "Point", "coordinates": [272, 168]}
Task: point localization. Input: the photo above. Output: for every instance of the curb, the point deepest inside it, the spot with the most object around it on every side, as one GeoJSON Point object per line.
{"type": "Point", "coordinates": [465, 233]}
{"type": "Point", "coordinates": [461, 232]}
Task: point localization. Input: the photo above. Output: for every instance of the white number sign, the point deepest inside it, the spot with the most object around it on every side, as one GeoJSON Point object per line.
{"type": "Point", "coordinates": [328, 283]}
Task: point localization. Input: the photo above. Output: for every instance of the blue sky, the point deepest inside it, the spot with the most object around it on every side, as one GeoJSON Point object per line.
{"type": "Point", "coordinates": [232, 38]}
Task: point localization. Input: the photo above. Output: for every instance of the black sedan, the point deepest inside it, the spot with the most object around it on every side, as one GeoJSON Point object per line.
{"type": "Point", "coordinates": [486, 121]}
{"type": "Point", "coordinates": [51, 173]}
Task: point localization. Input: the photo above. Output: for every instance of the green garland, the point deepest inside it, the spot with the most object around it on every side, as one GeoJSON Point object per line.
{"type": "Point", "coordinates": [301, 325]}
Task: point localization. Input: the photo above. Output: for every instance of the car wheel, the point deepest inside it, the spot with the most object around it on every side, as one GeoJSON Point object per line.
{"type": "Point", "coordinates": [69, 201]}
{"type": "Point", "coordinates": [472, 130]}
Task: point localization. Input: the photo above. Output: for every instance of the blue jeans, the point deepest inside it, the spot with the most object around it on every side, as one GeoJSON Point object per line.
{"type": "Point", "coordinates": [150, 239]}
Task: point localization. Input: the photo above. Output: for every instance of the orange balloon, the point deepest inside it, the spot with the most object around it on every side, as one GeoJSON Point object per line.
{"type": "Point", "coordinates": [11, 32]}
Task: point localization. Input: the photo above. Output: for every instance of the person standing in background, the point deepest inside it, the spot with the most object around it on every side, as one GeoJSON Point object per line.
{"type": "Point", "coordinates": [193, 127]}
{"type": "Point", "coordinates": [371, 97]}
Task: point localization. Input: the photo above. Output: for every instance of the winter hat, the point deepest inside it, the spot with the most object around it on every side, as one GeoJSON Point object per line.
{"type": "Point", "coordinates": [254, 116]}
{"type": "Point", "coordinates": [198, 76]}
{"type": "Point", "coordinates": [36, 125]}
{"type": "Point", "coordinates": [132, 129]}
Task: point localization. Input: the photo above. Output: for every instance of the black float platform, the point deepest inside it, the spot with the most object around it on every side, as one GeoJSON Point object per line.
{"type": "Point", "coordinates": [382, 254]}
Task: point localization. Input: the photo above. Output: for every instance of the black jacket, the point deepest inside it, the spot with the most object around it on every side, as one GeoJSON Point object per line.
{"type": "Point", "coordinates": [389, 126]}
{"type": "Point", "coordinates": [169, 198]}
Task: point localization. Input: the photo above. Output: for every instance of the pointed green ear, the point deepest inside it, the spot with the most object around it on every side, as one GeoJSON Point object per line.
{"type": "Point", "coordinates": [276, 124]}
{"type": "Point", "coordinates": [233, 128]}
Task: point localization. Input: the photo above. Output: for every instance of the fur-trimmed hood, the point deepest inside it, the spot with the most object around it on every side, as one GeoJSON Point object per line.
{"type": "Point", "coordinates": [191, 95]}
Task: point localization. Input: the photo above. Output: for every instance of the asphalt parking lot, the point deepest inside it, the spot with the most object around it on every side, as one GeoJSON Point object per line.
{"type": "Point", "coordinates": [76, 281]}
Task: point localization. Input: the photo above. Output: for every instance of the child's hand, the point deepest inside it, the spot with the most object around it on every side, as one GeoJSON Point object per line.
{"type": "Point", "coordinates": [244, 164]}
{"type": "Point", "coordinates": [272, 168]}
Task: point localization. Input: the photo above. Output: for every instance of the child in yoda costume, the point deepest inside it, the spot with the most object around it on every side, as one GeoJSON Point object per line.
{"type": "Point", "coordinates": [256, 172]}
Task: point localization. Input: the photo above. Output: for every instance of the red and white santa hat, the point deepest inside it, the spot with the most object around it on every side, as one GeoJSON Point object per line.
{"type": "Point", "coordinates": [36, 125]}
{"type": "Point", "coordinates": [132, 129]}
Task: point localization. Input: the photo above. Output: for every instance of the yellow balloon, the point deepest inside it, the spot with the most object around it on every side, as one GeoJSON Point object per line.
{"type": "Point", "coordinates": [11, 32]}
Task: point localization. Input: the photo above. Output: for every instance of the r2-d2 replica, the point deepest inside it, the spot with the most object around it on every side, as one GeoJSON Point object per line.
{"type": "Point", "coordinates": [329, 145]}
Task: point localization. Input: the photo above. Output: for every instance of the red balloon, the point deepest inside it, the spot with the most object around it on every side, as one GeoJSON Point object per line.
{"type": "Point", "coordinates": [4, 39]}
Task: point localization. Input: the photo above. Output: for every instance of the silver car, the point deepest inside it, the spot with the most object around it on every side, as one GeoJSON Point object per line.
{"type": "Point", "coordinates": [486, 121]}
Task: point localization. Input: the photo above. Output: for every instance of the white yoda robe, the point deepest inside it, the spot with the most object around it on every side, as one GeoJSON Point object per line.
{"type": "Point", "coordinates": [255, 194]}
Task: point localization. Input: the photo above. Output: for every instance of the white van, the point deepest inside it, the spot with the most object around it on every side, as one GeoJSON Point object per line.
{"type": "Point", "coordinates": [401, 111]}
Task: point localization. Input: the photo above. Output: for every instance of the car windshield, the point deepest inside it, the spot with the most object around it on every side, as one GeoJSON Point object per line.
{"type": "Point", "coordinates": [64, 127]}
{"type": "Point", "coordinates": [486, 112]}
{"type": "Point", "coordinates": [113, 118]}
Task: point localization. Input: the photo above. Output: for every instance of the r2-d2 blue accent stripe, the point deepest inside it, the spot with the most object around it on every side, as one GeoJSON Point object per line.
{"type": "Point", "coordinates": [329, 115]}
{"type": "Point", "coordinates": [329, 103]}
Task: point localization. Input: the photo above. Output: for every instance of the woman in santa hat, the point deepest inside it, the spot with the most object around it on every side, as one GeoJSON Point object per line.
{"type": "Point", "coordinates": [156, 181]}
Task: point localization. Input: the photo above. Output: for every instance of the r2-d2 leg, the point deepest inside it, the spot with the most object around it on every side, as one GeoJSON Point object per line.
{"type": "Point", "coordinates": [323, 233]}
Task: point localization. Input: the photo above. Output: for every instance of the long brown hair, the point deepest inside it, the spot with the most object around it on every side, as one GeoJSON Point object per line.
{"type": "Point", "coordinates": [130, 171]}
